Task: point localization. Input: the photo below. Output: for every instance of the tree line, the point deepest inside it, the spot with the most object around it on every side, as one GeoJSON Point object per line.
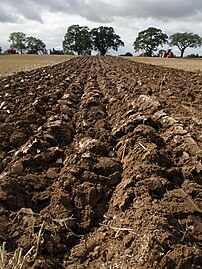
{"type": "Point", "coordinates": [149, 40]}
{"type": "Point", "coordinates": [21, 43]}
{"type": "Point", "coordinates": [81, 40]}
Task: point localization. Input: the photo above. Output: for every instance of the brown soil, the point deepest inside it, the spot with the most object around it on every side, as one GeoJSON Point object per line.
{"type": "Point", "coordinates": [102, 156]}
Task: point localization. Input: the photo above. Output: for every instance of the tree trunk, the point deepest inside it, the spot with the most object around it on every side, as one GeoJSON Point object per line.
{"type": "Point", "coordinates": [103, 52]}
{"type": "Point", "coordinates": [182, 53]}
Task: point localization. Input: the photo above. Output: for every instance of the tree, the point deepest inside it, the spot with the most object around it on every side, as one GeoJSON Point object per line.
{"type": "Point", "coordinates": [149, 40]}
{"type": "Point", "coordinates": [127, 54]}
{"type": "Point", "coordinates": [77, 39]}
{"type": "Point", "coordinates": [21, 43]}
{"type": "Point", "coordinates": [18, 41]}
{"type": "Point", "coordinates": [185, 40]}
{"type": "Point", "coordinates": [34, 45]}
{"type": "Point", "coordinates": [194, 56]}
{"type": "Point", "coordinates": [104, 38]}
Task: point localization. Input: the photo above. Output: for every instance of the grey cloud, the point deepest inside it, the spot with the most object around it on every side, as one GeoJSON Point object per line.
{"type": "Point", "coordinates": [7, 14]}
{"type": "Point", "coordinates": [102, 10]}
{"type": "Point", "coordinates": [156, 9]}
{"type": "Point", "coordinates": [7, 17]}
{"type": "Point", "coordinates": [52, 5]}
{"type": "Point", "coordinates": [164, 10]}
{"type": "Point", "coordinates": [14, 11]}
{"type": "Point", "coordinates": [30, 12]}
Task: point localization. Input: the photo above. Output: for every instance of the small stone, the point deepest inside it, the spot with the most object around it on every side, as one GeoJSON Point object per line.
{"type": "Point", "coordinates": [59, 161]}
{"type": "Point", "coordinates": [51, 173]}
{"type": "Point", "coordinates": [18, 168]}
{"type": "Point", "coordinates": [68, 182]}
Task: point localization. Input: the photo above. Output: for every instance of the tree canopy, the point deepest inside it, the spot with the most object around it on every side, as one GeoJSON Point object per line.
{"type": "Point", "coordinates": [149, 40]}
{"type": "Point", "coordinates": [185, 40]}
{"type": "Point", "coordinates": [77, 39]}
{"type": "Point", "coordinates": [18, 41]}
{"type": "Point", "coordinates": [30, 44]}
{"type": "Point", "coordinates": [34, 45]}
{"type": "Point", "coordinates": [104, 38]}
{"type": "Point", "coordinates": [80, 40]}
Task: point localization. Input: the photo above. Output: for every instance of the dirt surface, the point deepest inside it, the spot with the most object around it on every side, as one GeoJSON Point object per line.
{"type": "Point", "coordinates": [179, 63]}
{"type": "Point", "coordinates": [101, 165]}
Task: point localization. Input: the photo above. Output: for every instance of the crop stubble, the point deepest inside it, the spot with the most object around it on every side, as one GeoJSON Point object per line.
{"type": "Point", "coordinates": [10, 64]}
{"type": "Point", "coordinates": [105, 153]}
{"type": "Point", "coordinates": [179, 63]}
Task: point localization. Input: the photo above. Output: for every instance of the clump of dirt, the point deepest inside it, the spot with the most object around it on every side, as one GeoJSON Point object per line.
{"type": "Point", "coordinates": [101, 165]}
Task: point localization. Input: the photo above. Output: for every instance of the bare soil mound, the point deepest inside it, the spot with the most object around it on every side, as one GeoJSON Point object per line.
{"type": "Point", "coordinates": [100, 165]}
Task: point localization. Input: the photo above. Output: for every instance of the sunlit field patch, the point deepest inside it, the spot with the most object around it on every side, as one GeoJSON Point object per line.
{"type": "Point", "coordinates": [185, 64]}
{"type": "Point", "coordinates": [10, 64]}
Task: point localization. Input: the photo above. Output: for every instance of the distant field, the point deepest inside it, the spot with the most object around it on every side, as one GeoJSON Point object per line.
{"type": "Point", "coordinates": [10, 64]}
{"type": "Point", "coordinates": [185, 64]}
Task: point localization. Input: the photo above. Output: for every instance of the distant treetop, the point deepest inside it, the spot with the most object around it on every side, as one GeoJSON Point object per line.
{"type": "Point", "coordinates": [185, 40]}
{"type": "Point", "coordinates": [149, 40]}
{"type": "Point", "coordinates": [21, 43]}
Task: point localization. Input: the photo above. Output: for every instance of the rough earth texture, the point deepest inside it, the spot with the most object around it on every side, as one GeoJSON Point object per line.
{"type": "Point", "coordinates": [100, 165]}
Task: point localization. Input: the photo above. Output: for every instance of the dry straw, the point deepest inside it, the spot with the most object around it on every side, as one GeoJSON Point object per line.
{"type": "Point", "coordinates": [17, 260]}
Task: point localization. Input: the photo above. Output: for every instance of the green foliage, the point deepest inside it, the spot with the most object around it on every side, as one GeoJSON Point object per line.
{"type": "Point", "coordinates": [77, 39]}
{"type": "Point", "coordinates": [185, 40]}
{"type": "Point", "coordinates": [104, 38]}
{"type": "Point", "coordinates": [80, 40]}
{"type": "Point", "coordinates": [127, 54]}
{"type": "Point", "coordinates": [34, 45]}
{"type": "Point", "coordinates": [149, 40]}
{"type": "Point", "coordinates": [30, 44]}
{"type": "Point", "coordinates": [194, 56]}
{"type": "Point", "coordinates": [18, 41]}
{"type": "Point", "coordinates": [145, 54]}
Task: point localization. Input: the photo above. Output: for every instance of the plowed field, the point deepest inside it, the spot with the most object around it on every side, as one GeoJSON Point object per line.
{"type": "Point", "coordinates": [101, 165]}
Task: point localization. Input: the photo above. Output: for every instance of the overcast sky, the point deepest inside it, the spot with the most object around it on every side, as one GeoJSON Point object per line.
{"type": "Point", "coordinates": [49, 19]}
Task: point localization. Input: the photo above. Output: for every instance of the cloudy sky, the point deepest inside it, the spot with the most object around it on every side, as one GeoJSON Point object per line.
{"type": "Point", "coordinates": [49, 19]}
